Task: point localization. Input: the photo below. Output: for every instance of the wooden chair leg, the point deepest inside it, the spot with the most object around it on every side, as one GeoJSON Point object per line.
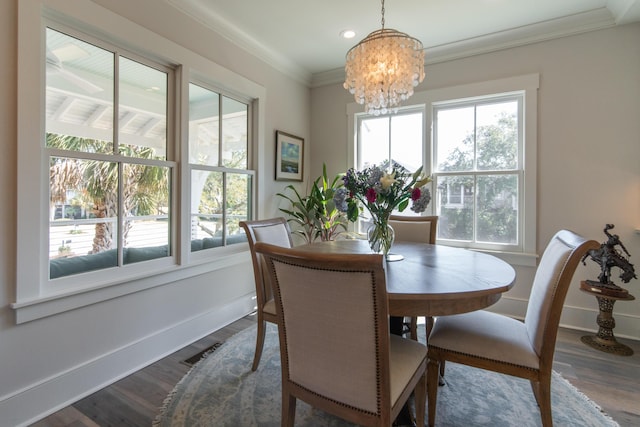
{"type": "Point", "coordinates": [432, 390]}
{"type": "Point", "coordinates": [413, 328]}
{"type": "Point", "coordinates": [542, 393]}
{"type": "Point", "coordinates": [259, 343]}
{"type": "Point", "coordinates": [288, 410]}
{"type": "Point", "coordinates": [429, 326]}
{"type": "Point", "coordinates": [420, 399]}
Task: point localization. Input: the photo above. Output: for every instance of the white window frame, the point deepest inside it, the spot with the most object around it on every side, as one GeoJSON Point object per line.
{"type": "Point", "coordinates": [518, 170]}
{"type": "Point", "coordinates": [35, 298]}
{"type": "Point", "coordinates": [527, 84]}
{"type": "Point", "coordinates": [79, 279]}
{"type": "Point", "coordinates": [225, 171]}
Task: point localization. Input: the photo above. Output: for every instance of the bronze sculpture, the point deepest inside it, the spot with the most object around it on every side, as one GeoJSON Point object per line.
{"type": "Point", "coordinates": [607, 292]}
{"type": "Point", "coordinates": [608, 256]}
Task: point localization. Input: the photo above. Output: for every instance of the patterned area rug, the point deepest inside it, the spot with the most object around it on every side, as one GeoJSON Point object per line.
{"type": "Point", "coordinates": [221, 390]}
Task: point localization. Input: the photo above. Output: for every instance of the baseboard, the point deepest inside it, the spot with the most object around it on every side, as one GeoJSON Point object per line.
{"type": "Point", "coordinates": [579, 318]}
{"type": "Point", "coordinates": [46, 397]}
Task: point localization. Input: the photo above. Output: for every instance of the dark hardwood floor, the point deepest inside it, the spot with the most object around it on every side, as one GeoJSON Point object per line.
{"type": "Point", "coordinates": [610, 380]}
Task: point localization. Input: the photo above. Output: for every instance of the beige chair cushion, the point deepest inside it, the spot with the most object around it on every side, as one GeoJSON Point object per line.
{"type": "Point", "coordinates": [273, 234]}
{"type": "Point", "coordinates": [543, 289]}
{"type": "Point", "coordinates": [404, 358]}
{"type": "Point", "coordinates": [412, 231]}
{"type": "Point", "coordinates": [270, 307]}
{"type": "Point", "coordinates": [469, 333]}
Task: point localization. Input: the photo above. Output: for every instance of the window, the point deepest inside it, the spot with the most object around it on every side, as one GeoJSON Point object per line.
{"type": "Point", "coordinates": [221, 184]}
{"type": "Point", "coordinates": [109, 191]}
{"type": "Point", "coordinates": [480, 152]}
{"type": "Point", "coordinates": [396, 139]}
{"type": "Point", "coordinates": [477, 170]}
{"type": "Point", "coordinates": [104, 200]}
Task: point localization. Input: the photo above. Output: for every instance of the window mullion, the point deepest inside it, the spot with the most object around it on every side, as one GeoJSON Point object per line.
{"type": "Point", "coordinates": [116, 101]}
{"type": "Point", "coordinates": [116, 152]}
{"type": "Point", "coordinates": [389, 133]}
{"type": "Point", "coordinates": [224, 209]}
{"type": "Point", "coordinates": [476, 194]}
{"type": "Point", "coordinates": [121, 217]}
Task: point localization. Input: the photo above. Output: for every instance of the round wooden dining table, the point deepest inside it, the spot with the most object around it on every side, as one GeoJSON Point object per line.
{"type": "Point", "coordinates": [434, 280]}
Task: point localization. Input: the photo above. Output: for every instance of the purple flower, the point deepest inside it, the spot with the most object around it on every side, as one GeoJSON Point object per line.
{"type": "Point", "coordinates": [340, 199]}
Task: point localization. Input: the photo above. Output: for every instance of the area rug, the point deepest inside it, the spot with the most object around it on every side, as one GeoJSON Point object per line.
{"type": "Point", "coordinates": [221, 390]}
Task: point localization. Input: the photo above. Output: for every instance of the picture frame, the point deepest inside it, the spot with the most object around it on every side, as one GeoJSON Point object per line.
{"type": "Point", "coordinates": [289, 157]}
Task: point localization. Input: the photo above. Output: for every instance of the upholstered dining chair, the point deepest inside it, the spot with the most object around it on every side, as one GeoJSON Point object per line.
{"type": "Point", "coordinates": [495, 342]}
{"type": "Point", "coordinates": [275, 231]}
{"type": "Point", "coordinates": [335, 348]}
{"type": "Point", "coordinates": [420, 229]}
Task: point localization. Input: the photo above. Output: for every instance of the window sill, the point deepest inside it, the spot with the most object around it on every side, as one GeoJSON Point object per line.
{"type": "Point", "coordinates": [514, 258]}
{"type": "Point", "coordinates": [52, 304]}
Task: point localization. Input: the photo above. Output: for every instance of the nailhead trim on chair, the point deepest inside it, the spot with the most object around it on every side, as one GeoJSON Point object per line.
{"type": "Point", "coordinates": [377, 338]}
{"type": "Point", "coordinates": [529, 368]}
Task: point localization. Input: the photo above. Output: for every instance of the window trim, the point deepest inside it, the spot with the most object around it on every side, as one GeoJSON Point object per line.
{"type": "Point", "coordinates": [33, 300]}
{"type": "Point", "coordinates": [529, 84]}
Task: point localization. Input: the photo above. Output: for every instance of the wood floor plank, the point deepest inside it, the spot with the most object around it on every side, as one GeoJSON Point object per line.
{"type": "Point", "coordinates": [609, 380]}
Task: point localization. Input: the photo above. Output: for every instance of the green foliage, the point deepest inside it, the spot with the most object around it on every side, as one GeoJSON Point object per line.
{"type": "Point", "coordinates": [496, 218]}
{"type": "Point", "coordinates": [316, 215]}
{"type": "Point", "coordinates": [235, 204]}
{"type": "Point", "coordinates": [145, 188]}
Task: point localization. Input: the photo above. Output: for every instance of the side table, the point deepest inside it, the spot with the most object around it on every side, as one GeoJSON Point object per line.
{"type": "Point", "coordinates": [604, 340]}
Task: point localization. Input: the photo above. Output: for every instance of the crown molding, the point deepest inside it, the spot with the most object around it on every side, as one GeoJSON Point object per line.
{"type": "Point", "coordinates": [624, 11]}
{"type": "Point", "coordinates": [616, 12]}
{"type": "Point", "coordinates": [596, 19]}
{"type": "Point", "coordinates": [240, 38]}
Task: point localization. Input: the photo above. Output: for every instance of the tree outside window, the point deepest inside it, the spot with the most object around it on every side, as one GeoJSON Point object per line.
{"type": "Point", "coordinates": [109, 191]}
{"type": "Point", "coordinates": [221, 183]}
{"type": "Point", "coordinates": [477, 170]}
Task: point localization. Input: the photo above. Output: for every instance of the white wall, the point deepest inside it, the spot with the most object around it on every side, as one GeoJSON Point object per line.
{"type": "Point", "coordinates": [48, 363]}
{"type": "Point", "coordinates": [588, 148]}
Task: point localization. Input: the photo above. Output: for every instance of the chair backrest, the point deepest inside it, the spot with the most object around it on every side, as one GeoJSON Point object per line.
{"type": "Point", "coordinates": [275, 231]}
{"type": "Point", "coordinates": [550, 285]}
{"type": "Point", "coordinates": [414, 228]}
{"type": "Point", "coordinates": [333, 325]}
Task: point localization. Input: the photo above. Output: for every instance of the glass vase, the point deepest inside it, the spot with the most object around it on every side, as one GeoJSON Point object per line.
{"type": "Point", "coordinates": [380, 236]}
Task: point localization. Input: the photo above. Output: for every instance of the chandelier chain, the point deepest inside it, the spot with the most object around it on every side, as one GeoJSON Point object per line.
{"type": "Point", "coordinates": [382, 1]}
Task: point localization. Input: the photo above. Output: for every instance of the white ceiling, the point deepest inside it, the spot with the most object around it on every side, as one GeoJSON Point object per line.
{"type": "Point", "coordinates": [301, 37]}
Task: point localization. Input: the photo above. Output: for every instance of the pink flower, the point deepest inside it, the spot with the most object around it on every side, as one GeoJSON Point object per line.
{"type": "Point", "coordinates": [415, 194]}
{"type": "Point", "coordinates": [371, 195]}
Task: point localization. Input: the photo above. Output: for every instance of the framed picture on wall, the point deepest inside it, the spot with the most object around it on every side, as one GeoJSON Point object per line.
{"type": "Point", "coordinates": [289, 157]}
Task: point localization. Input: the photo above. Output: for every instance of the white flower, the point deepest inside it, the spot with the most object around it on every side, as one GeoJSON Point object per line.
{"type": "Point", "coordinates": [388, 180]}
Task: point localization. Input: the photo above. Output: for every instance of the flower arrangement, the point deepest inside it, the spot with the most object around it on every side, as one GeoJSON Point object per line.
{"type": "Point", "coordinates": [381, 192]}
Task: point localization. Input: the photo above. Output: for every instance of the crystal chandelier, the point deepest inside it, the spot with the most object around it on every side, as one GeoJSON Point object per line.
{"type": "Point", "coordinates": [383, 69]}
